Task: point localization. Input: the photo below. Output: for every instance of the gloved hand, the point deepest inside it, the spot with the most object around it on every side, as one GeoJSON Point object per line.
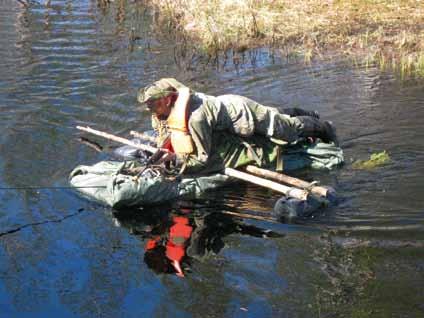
{"type": "Point", "coordinates": [166, 157]}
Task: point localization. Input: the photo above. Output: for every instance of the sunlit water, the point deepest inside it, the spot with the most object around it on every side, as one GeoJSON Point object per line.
{"type": "Point", "coordinates": [68, 63]}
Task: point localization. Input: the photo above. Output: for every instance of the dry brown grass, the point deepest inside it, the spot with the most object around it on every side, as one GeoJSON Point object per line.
{"type": "Point", "coordinates": [390, 32]}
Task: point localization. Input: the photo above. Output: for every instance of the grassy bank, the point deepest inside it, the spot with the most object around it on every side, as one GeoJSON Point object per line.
{"type": "Point", "coordinates": [390, 33]}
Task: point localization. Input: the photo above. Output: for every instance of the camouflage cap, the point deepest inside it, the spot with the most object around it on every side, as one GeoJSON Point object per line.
{"type": "Point", "coordinates": [158, 89]}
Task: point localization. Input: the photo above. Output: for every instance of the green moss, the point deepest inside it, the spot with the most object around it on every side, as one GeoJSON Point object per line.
{"type": "Point", "coordinates": [376, 160]}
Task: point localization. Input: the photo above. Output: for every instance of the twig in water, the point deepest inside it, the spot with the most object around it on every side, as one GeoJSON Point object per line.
{"type": "Point", "coordinates": [41, 223]}
{"type": "Point", "coordinates": [91, 144]}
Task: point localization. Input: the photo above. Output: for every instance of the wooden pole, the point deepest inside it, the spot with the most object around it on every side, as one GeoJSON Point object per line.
{"type": "Point", "coordinates": [280, 177]}
{"type": "Point", "coordinates": [288, 191]}
{"type": "Point", "coordinates": [121, 140]}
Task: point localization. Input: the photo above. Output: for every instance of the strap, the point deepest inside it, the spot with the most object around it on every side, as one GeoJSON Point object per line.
{"type": "Point", "coordinates": [252, 152]}
{"type": "Point", "coordinates": [279, 162]}
{"type": "Point", "coordinates": [270, 130]}
{"type": "Point", "coordinates": [177, 119]}
{"type": "Point", "coordinates": [178, 123]}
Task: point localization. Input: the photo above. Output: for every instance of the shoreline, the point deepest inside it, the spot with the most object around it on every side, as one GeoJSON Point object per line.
{"type": "Point", "coordinates": [388, 33]}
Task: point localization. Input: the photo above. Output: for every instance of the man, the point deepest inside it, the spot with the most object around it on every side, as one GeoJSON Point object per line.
{"type": "Point", "coordinates": [194, 121]}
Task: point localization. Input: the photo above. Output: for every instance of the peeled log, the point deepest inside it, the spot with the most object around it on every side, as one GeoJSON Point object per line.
{"type": "Point", "coordinates": [325, 192]}
{"type": "Point", "coordinates": [288, 191]}
{"type": "Point", "coordinates": [120, 139]}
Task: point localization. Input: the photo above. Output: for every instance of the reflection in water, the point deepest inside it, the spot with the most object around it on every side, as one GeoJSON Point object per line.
{"type": "Point", "coordinates": [170, 247]}
{"type": "Point", "coordinates": [174, 237]}
{"type": "Point", "coordinates": [80, 62]}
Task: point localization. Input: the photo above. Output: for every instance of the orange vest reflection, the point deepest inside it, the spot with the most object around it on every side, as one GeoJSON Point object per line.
{"type": "Point", "coordinates": [179, 234]}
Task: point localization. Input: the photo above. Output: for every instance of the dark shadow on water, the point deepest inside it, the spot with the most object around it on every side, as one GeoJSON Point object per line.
{"type": "Point", "coordinates": [176, 235]}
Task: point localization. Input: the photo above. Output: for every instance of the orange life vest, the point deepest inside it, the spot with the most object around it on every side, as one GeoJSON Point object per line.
{"type": "Point", "coordinates": [177, 122]}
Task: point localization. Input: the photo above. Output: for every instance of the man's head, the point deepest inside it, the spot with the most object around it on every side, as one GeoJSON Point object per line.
{"type": "Point", "coordinates": [160, 96]}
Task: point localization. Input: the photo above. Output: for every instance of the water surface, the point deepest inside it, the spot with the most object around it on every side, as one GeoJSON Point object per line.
{"type": "Point", "coordinates": [68, 63]}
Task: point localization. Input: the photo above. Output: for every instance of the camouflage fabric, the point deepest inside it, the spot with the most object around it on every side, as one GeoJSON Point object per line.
{"type": "Point", "coordinates": [112, 187]}
{"type": "Point", "coordinates": [158, 89]}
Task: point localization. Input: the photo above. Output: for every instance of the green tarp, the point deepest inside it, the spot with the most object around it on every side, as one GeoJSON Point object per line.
{"type": "Point", "coordinates": [110, 186]}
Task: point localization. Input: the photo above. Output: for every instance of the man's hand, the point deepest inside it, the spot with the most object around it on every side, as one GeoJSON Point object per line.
{"type": "Point", "coordinates": [166, 157]}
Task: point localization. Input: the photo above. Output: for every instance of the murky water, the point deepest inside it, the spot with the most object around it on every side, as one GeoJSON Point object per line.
{"type": "Point", "coordinates": [67, 63]}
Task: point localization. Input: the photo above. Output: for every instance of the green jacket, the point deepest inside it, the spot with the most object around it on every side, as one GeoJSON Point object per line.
{"type": "Point", "coordinates": [213, 119]}
{"type": "Point", "coordinates": [218, 124]}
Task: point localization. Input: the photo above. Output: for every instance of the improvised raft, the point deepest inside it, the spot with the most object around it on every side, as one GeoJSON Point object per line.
{"type": "Point", "coordinates": [129, 183]}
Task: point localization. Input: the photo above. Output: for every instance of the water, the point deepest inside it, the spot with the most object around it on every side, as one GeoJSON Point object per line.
{"type": "Point", "coordinates": [68, 63]}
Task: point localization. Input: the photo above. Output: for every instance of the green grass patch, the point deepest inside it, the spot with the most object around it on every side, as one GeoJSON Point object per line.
{"type": "Point", "coordinates": [376, 160]}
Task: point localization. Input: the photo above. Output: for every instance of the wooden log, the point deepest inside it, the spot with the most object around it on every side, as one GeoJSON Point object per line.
{"type": "Point", "coordinates": [288, 191]}
{"type": "Point", "coordinates": [325, 192]}
{"type": "Point", "coordinates": [121, 140]}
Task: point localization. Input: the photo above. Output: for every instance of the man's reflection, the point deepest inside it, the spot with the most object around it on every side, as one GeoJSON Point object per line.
{"type": "Point", "coordinates": [169, 249]}
{"type": "Point", "coordinates": [175, 237]}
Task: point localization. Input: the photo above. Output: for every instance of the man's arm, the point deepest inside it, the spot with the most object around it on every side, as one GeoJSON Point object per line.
{"type": "Point", "coordinates": [201, 125]}
{"type": "Point", "coordinates": [159, 126]}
